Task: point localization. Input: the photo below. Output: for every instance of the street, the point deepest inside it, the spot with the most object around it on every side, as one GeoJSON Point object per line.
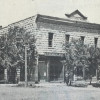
{"type": "Point", "coordinates": [49, 91]}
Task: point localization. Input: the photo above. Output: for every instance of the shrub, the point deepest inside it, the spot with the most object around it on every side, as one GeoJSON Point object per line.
{"type": "Point", "coordinates": [97, 84]}
{"type": "Point", "coordinates": [79, 84]}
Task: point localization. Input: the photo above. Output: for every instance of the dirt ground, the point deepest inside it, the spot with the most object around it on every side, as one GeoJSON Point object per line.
{"type": "Point", "coordinates": [49, 92]}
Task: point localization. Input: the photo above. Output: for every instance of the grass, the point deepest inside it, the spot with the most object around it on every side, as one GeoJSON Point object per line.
{"type": "Point", "coordinates": [18, 93]}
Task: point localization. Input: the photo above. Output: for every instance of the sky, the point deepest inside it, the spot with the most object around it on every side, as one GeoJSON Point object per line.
{"type": "Point", "coordinates": [14, 10]}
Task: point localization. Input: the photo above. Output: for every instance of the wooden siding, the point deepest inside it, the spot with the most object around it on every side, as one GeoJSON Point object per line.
{"type": "Point", "coordinates": [59, 36]}
{"type": "Point", "coordinates": [41, 30]}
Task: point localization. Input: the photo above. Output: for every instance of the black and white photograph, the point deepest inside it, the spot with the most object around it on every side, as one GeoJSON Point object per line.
{"type": "Point", "coordinates": [49, 50]}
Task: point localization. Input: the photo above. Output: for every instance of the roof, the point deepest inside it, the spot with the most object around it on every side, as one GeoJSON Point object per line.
{"type": "Point", "coordinates": [76, 12]}
{"type": "Point", "coordinates": [63, 21]}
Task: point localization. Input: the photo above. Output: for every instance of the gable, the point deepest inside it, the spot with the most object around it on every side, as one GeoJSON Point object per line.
{"type": "Point", "coordinates": [76, 15]}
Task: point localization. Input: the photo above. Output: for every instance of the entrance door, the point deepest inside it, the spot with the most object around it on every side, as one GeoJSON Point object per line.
{"type": "Point", "coordinates": [56, 71]}
{"type": "Point", "coordinates": [42, 75]}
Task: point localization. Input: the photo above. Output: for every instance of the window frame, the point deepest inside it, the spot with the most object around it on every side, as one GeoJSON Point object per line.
{"type": "Point", "coordinates": [67, 37]}
{"type": "Point", "coordinates": [50, 39]}
{"type": "Point", "coordinates": [82, 39]}
{"type": "Point", "coordinates": [95, 41]}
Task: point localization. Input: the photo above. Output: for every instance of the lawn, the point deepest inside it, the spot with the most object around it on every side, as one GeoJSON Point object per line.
{"type": "Point", "coordinates": [49, 92]}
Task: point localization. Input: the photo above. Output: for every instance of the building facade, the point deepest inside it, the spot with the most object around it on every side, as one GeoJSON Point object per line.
{"type": "Point", "coordinates": [51, 34]}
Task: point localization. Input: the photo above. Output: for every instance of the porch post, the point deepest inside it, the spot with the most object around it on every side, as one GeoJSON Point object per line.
{"type": "Point", "coordinates": [18, 74]}
{"type": "Point", "coordinates": [63, 73]}
{"type": "Point", "coordinates": [48, 65]}
{"type": "Point", "coordinates": [74, 76]}
{"type": "Point", "coordinates": [36, 70]}
{"type": "Point", "coordinates": [26, 83]}
{"type": "Point", "coordinates": [96, 74]}
{"type": "Point", "coordinates": [5, 75]}
{"type": "Point", "coordinates": [83, 72]}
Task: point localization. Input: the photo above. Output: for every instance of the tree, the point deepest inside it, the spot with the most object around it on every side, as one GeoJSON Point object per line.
{"type": "Point", "coordinates": [94, 60]}
{"type": "Point", "coordinates": [76, 55]}
{"type": "Point", "coordinates": [13, 49]}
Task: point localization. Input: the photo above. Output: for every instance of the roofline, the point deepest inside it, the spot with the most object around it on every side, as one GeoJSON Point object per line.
{"type": "Point", "coordinates": [51, 18]}
{"type": "Point", "coordinates": [63, 20]}
{"type": "Point", "coordinates": [22, 20]}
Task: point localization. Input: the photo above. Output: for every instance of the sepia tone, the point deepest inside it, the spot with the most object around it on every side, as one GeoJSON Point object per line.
{"type": "Point", "coordinates": [52, 76]}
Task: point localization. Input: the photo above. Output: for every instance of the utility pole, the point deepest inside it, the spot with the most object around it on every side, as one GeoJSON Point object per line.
{"type": "Point", "coordinates": [26, 83]}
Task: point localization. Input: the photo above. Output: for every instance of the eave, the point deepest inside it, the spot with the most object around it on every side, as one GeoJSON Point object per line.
{"type": "Point", "coordinates": [63, 21]}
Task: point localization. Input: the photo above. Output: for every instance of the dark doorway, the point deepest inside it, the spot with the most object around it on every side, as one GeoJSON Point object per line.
{"type": "Point", "coordinates": [12, 75]}
{"type": "Point", "coordinates": [1, 73]}
{"type": "Point", "coordinates": [22, 74]}
{"type": "Point", "coordinates": [79, 71]}
{"type": "Point", "coordinates": [56, 71]}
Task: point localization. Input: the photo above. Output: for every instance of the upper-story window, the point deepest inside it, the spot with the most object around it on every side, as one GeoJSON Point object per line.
{"type": "Point", "coordinates": [67, 38]}
{"type": "Point", "coordinates": [82, 39]}
{"type": "Point", "coordinates": [50, 39]}
{"type": "Point", "coordinates": [95, 41]}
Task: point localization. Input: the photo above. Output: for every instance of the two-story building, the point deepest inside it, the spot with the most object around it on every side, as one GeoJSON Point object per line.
{"type": "Point", "coordinates": [51, 33]}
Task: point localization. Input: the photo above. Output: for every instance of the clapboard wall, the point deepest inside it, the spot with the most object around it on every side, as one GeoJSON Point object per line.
{"type": "Point", "coordinates": [41, 29]}
{"type": "Point", "coordinates": [59, 36]}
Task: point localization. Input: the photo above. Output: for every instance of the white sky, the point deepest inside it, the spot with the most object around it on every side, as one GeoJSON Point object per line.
{"type": "Point", "coordinates": [15, 10]}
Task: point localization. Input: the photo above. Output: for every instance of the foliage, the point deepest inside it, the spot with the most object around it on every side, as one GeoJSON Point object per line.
{"type": "Point", "coordinates": [12, 48]}
{"type": "Point", "coordinates": [76, 55]}
{"type": "Point", "coordinates": [79, 55]}
{"type": "Point", "coordinates": [97, 84]}
{"type": "Point", "coordinates": [94, 59]}
{"type": "Point", "coordinates": [94, 55]}
{"type": "Point", "coordinates": [81, 83]}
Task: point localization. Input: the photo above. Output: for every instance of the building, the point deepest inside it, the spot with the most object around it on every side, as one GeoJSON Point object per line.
{"type": "Point", "coordinates": [51, 33]}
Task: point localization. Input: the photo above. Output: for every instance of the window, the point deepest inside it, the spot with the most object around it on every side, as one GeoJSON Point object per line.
{"type": "Point", "coordinates": [50, 39]}
{"type": "Point", "coordinates": [95, 41]}
{"type": "Point", "coordinates": [82, 39]}
{"type": "Point", "coordinates": [67, 38]}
